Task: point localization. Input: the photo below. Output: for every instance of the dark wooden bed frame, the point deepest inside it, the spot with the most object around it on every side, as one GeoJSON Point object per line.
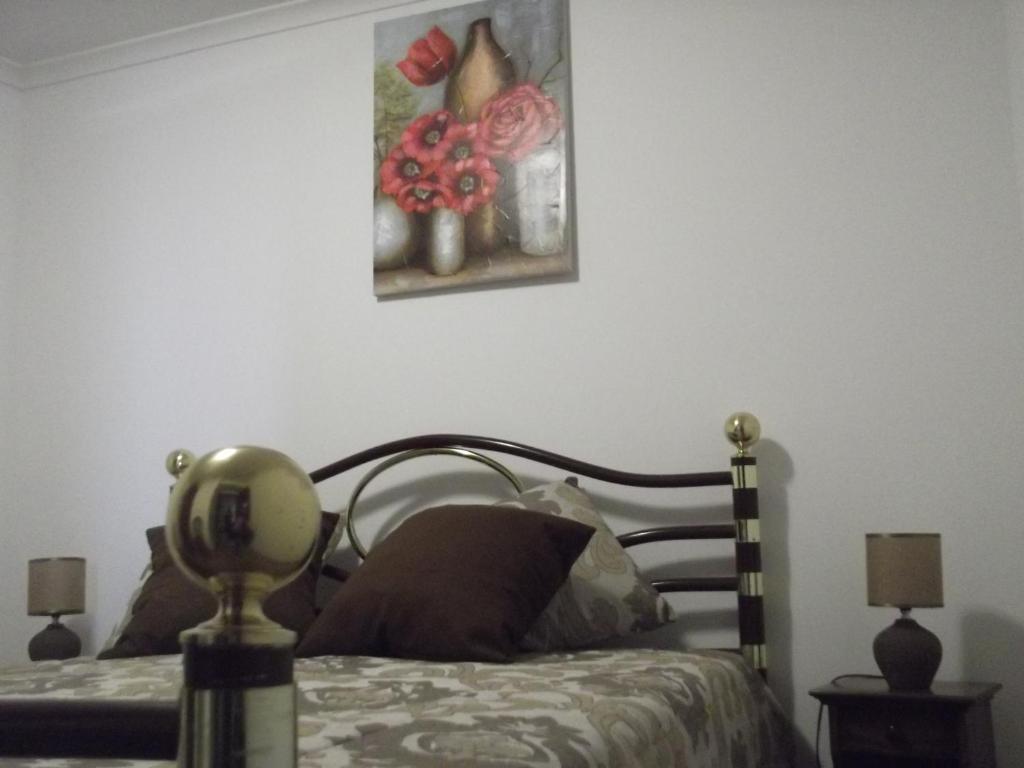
{"type": "Point", "coordinates": [95, 728]}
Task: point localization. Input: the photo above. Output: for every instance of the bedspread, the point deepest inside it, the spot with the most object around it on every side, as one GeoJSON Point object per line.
{"type": "Point", "coordinates": [592, 708]}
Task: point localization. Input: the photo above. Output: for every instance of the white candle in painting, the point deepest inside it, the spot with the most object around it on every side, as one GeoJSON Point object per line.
{"type": "Point", "coordinates": [540, 199]}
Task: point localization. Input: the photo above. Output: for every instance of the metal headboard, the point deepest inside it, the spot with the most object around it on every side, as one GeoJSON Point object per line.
{"type": "Point", "coordinates": [742, 429]}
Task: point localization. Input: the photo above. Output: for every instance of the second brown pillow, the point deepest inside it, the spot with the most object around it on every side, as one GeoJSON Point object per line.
{"type": "Point", "coordinates": [170, 602]}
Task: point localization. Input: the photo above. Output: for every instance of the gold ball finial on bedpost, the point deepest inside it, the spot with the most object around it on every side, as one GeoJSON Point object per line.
{"type": "Point", "coordinates": [178, 461]}
{"type": "Point", "coordinates": [241, 522]}
{"type": "Point", "coordinates": [743, 430]}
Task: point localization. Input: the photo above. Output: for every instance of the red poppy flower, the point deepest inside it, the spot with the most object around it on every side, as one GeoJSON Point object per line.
{"type": "Point", "coordinates": [463, 142]}
{"type": "Point", "coordinates": [427, 137]}
{"type": "Point", "coordinates": [416, 186]}
{"type": "Point", "coordinates": [517, 121]}
{"type": "Point", "coordinates": [398, 170]}
{"type": "Point", "coordinates": [423, 196]}
{"type": "Point", "coordinates": [429, 59]}
{"type": "Point", "coordinates": [472, 182]}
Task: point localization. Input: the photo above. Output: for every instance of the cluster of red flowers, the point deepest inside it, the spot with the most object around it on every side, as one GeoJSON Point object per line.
{"type": "Point", "coordinates": [441, 162]}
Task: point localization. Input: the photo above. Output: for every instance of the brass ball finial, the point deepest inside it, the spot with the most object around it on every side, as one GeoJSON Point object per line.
{"type": "Point", "coordinates": [243, 522]}
{"type": "Point", "coordinates": [178, 461]}
{"type": "Point", "coordinates": [743, 430]}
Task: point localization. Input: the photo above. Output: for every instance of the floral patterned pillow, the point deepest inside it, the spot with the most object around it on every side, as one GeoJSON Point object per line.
{"type": "Point", "coordinates": [604, 596]}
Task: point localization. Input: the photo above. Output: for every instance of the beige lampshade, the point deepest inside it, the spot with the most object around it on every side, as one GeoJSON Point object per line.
{"type": "Point", "coordinates": [904, 569]}
{"type": "Point", "coordinates": [56, 585]}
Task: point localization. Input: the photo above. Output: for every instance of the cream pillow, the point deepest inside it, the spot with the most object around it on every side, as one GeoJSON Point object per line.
{"type": "Point", "coordinates": [604, 596]}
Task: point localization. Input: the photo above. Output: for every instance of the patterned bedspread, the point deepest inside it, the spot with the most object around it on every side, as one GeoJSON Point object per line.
{"type": "Point", "coordinates": [591, 708]}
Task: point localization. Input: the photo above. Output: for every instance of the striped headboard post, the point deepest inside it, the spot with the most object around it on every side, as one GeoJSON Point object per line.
{"type": "Point", "coordinates": [743, 430]}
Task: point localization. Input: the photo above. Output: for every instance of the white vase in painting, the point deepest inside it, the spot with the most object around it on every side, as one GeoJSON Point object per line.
{"type": "Point", "coordinates": [394, 234]}
{"type": "Point", "coordinates": [446, 241]}
{"type": "Point", "coordinates": [540, 202]}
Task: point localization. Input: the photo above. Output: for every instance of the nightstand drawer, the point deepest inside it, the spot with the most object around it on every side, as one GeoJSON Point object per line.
{"type": "Point", "coordinates": [870, 726]}
{"type": "Point", "coordinates": [901, 731]}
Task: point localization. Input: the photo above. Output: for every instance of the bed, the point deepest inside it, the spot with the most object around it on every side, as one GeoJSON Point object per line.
{"type": "Point", "coordinates": [556, 678]}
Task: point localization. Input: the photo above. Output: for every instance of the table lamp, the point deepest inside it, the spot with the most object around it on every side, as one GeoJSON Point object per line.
{"type": "Point", "coordinates": [905, 572]}
{"type": "Point", "coordinates": [56, 586]}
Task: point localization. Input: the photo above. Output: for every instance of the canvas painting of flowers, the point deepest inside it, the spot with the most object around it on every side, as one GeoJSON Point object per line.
{"type": "Point", "coordinates": [471, 136]}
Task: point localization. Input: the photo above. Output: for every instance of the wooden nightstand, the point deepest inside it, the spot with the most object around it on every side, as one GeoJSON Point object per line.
{"type": "Point", "coordinates": [946, 727]}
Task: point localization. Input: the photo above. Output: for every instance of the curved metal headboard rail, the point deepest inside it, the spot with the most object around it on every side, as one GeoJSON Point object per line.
{"type": "Point", "coordinates": [635, 479]}
{"type": "Point", "coordinates": [689, 532]}
{"type": "Point", "coordinates": [498, 467]}
{"type": "Point", "coordinates": [742, 430]}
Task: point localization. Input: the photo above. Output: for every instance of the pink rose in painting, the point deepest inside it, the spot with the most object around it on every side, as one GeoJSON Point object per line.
{"type": "Point", "coordinates": [472, 181]}
{"type": "Point", "coordinates": [427, 138]}
{"type": "Point", "coordinates": [517, 121]}
{"type": "Point", "coordinates": [429, 59]}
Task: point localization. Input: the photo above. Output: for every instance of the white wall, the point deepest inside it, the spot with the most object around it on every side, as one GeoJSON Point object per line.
{"type": "Point", "coordinates": [805, 210]}
{"type": "Point", "coordinates": [12, 570]}
{"type": "Point", "coordinates": [1015, 64]}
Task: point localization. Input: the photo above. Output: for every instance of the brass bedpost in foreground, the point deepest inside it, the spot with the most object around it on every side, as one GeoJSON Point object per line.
{"type": "Point", "coordinates": [242, 522]}
{"type": "Point", "coordinates": [743, 431]}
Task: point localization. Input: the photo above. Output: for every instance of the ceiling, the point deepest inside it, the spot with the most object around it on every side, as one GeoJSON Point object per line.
{"type": "Point", "coordinates": [32, 31]}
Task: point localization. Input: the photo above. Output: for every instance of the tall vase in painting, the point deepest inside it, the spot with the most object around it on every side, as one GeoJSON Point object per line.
{"type": "Point", "coordinates": [446, 247]}
{"type": "Point", "coordinates": [541, 200]}
{"type": "Point", "coordinates": [484, 71]}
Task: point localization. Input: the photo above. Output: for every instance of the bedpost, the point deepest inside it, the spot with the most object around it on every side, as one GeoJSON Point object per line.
{"type": "Point", "coordinates": [241, 522]}
{"type": "Point", "coordinates": [743, 430]}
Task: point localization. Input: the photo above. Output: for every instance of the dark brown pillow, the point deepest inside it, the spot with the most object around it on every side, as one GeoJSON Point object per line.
{"type": "Point", "coordinates": [170, 602]}
{"type": "Point", "coordinates": [458, 582]}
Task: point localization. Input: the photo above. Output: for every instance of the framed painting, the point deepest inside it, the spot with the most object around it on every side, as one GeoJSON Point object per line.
{"type": "Point", "coordinates": [471, 142]}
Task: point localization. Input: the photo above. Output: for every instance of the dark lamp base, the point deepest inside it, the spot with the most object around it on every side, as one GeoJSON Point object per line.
{"type": "Point", "coordinates": [54, 642]}
{"type": "Point", "coordinates": [908, 655]}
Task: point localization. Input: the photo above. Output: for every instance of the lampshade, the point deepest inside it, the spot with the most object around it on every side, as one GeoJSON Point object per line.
{"type": "Point", "coordinates": [56, 585]}
{"type": "Point", "coordinates": [904, 569]}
